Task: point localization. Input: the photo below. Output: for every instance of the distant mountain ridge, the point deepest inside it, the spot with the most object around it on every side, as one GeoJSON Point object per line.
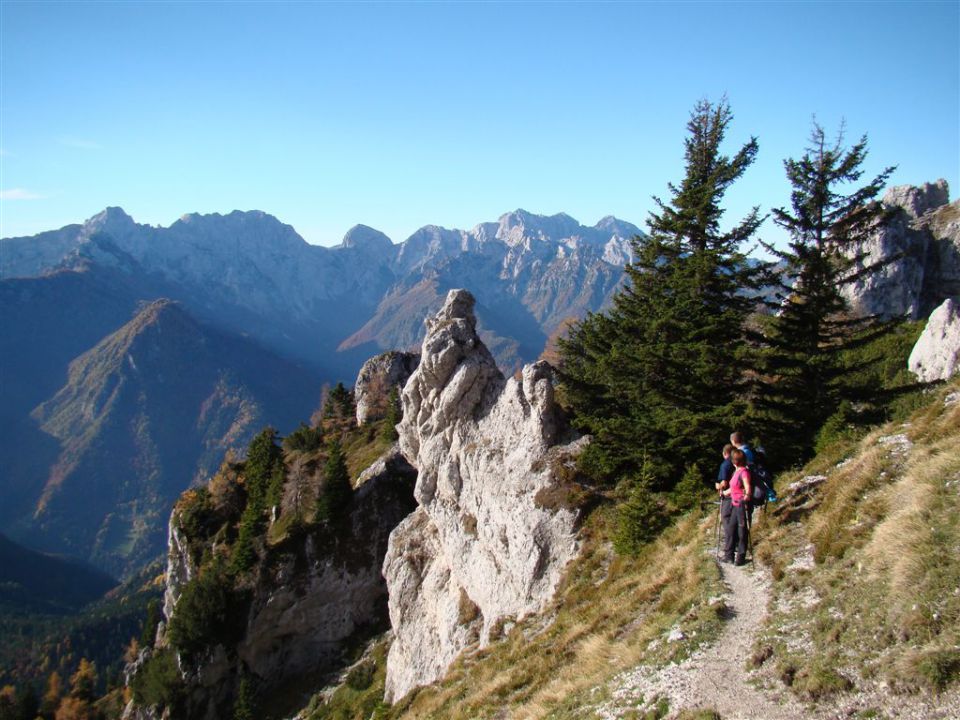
{"type": "Point", "coordinates": [152, 407]}
{"type": "Point", "coordinates": [248, 272]}
{"type": "Point", "coordinates": [38, 582]}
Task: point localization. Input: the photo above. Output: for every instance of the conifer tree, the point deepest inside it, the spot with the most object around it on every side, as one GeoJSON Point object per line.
{"type": "Point", "coordinates": [262, 469]}
{"type": "Point", "coordinates": [336, 490]}
{"type": "Point", "coordinates": [663, 372]}
{"type": "Point", "coordinates": [813, 327]}
{"type": "Point", "coordinates": [393, 416]}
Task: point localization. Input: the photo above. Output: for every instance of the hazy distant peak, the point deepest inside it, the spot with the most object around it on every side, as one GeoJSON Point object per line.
{"type": "Point", "coordinates": [520, 224]}
{"type": "Point", "coordinates": [235, 216]}
{"type": "Point", "coordinates": [364, 237]}
{"type": "Point", "coordinates": [617, 227]}
{"type": "Point", "coordinates": [110, 219]}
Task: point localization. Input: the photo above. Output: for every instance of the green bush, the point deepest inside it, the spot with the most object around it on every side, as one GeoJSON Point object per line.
{"type": "Point", "coordinates": [158, 683]}
{"type": "Point", "coordinates": [304, 439]}
{"type": "Point", "coordinates": [210, 612]}
{"type": "Point", "coordinates": [361, 676]}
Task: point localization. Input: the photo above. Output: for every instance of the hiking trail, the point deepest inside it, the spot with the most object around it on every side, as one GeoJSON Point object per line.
{"type": "Point", "coordinates": [714, 677]}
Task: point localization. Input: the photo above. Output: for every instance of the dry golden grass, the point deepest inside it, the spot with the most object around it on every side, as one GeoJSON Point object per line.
{"type": "Point", "coordinates": [881, 600]}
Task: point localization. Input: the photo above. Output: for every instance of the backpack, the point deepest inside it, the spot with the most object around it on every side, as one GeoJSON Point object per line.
{"type": "Point", "coordinates": [763, 491]}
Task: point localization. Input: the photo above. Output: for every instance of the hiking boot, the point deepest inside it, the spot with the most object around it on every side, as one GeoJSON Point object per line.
{"type": "Point", "coordinates": [740, 561]}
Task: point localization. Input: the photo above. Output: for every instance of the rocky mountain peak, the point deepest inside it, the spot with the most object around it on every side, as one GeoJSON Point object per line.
{"type": "Point", "coordinates": [616, 227]}
{"type": "Point", "coordinates": [364, 237]}
{"type": "Point", "coordinates": [520, 224]}
{"type": "Point", "coordinates": [113, 221]}
{"type": "Point", "coordinates": [483, 546]}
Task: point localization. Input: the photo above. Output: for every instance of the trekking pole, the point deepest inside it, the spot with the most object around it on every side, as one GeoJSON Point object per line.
{"type": "Point", "coordinates": [719, 516]}
{"type": "Point", "coordinates": [749, 513]}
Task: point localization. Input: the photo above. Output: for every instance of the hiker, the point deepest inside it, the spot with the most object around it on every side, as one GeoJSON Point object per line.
{"type": "Point", "coordinates": [739, 491]}
{"type": "Point", "coordinates": [740, 443]}
{"type": "Point", "coordinates": [723, 482]}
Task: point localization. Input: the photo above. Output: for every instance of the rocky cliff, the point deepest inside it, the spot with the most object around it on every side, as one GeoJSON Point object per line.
{"type": "Point", "coordinates": [493, 530]}
{"type": "Point", "coordinates": [313, 589]}
{"type": "Point", "coordinates": [920, 246]}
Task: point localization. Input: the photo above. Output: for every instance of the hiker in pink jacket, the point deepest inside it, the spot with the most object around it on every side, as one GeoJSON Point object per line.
{"type": "Point", "coordinates": [739, 491]}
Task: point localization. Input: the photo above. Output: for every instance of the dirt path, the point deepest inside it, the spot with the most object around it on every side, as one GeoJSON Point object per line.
{"type": "Point", "coordinates": [714, 677]}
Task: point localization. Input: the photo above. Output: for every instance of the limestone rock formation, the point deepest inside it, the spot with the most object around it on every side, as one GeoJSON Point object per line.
{"type": "Point", "coordinates": [311, 595]}
{"type": "Point", "coordinates": [490, 540]}
{"type": "Point", "coordinates": [936, 356]}
{"type": "Point", "coordinates": [377, 377]}
{"type": "Point", "coordinates": [922, 240]}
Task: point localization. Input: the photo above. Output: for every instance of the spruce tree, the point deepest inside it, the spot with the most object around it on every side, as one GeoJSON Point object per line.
{"type": "Point", "coordinates": [336, 490]}
{"type": "Point", "coordinates": [393, 416]}
{"type": "Point", "coordinates": [664, 372]}
{"type": "Point", "coordinates": [813, 327]}
{"type": "Point", "coordinates": [263, 468]}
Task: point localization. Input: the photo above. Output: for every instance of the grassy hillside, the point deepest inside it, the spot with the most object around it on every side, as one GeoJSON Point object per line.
{"type": "Point", "coordinates": [865, 557]}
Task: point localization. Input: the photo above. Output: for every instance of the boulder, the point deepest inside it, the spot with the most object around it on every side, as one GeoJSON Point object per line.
{"type": "Point", "coordinates": [492, 535]}
{"type": "Point", "coordinates": [936, 356]}
{"type": "Point", "coordinates": [378, 376]}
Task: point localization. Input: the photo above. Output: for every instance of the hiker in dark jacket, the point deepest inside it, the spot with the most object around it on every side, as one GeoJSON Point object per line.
{"type": "Point", "coordinates": [739, 490]}
{"type": "Point", "coordinates": [741, 444]}
{"type": "Point", "coordinates": [723, 482]}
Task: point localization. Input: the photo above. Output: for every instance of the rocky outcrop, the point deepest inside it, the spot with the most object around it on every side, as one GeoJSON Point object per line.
{"type": "Point", "coordinates": [936, 356]}
{"type": "Point", "coordinates": [310, 593]}
{"type": "Point", "coordinates": [378, 376]}
{"type": "Point", "coordinates": [492, 534]}
{"type": "Point", "coordinates": [920, 243]}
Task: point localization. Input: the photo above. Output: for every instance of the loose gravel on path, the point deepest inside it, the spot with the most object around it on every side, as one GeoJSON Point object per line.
{"type": "Point", "coordinates": [714, 677]}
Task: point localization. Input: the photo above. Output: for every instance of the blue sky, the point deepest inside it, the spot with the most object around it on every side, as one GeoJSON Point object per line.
{"type": "Point", "coordinates": [398, 115]}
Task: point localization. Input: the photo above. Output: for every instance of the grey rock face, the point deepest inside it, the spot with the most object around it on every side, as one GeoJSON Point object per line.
{"type": "Point", "coordinates": [925, 245]}
{"type": "Point", "coordinates": [378, 376]}
{"type": "Point", "coordinates": [484, 547]}
{"type": "Point", "coordinates": [936, 356]}
{"type": "Point", "coordinates": [308, 600]}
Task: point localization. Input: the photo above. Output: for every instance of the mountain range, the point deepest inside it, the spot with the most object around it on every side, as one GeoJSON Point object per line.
{"type": "Point", "coordinates": [332, 308]}
{"type": "Point", "coordinates": [133, 357]}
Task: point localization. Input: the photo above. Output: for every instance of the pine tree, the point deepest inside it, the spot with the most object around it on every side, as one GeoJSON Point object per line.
{"type": "Point", "coordinates": [336, 490]}
{"type": "Point", "coordinates": [339, 403]}
{"type": "Point", "coordinates": [664, 371]}
{"type": "Point", "coordinates": [813, 327]}
{"type": "Point", "coordinates": [640, 517]}
{"type": "Point", "coordinates": [393, 416]}
{"type": "Point", "coordinates": [262, 471]}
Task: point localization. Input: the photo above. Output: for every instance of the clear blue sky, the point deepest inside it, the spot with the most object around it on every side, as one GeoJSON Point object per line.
{"type": "Point", "coordinates": [399, 115]}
